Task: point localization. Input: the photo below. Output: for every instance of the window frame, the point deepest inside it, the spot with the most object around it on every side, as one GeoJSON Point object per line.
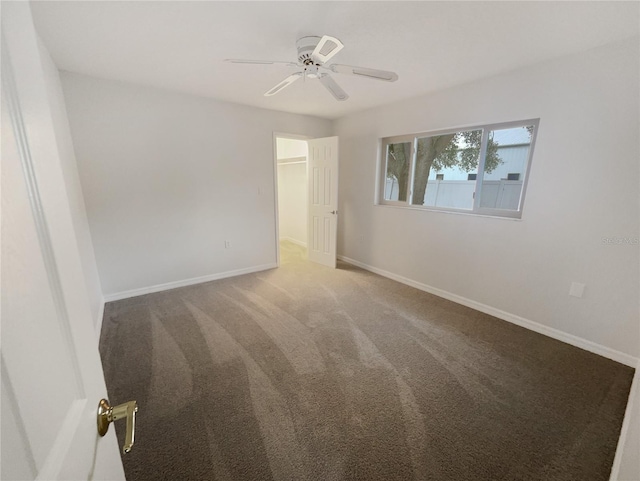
{"type": "Point", "coordinates": [384, 143]}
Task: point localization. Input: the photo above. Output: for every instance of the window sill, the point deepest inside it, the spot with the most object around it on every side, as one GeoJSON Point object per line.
{"type": "Point", "coordinates": [443, 211]}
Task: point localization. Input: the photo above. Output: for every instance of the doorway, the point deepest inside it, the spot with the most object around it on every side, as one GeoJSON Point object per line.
{"type": "Point", "coordinates": [292, 190]}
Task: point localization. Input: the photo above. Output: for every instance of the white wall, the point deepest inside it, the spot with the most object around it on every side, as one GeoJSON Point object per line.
{"type": "Point", "coordinates": [73, 187]}
{"type": "Point", "coordinates": [169, 177]}
{"type": "Point", "coordinates": [292, 202]}
{"type": "Point", "coordinates": [588, 138]}
{"type": "Point", "coordinates": [292, 191]}
{"type": "Point", "coordinates": [289, 148]}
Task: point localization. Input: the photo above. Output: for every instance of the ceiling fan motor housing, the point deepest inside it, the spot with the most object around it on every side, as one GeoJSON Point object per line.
{"type": "Point", "coordinates": [306, 46]}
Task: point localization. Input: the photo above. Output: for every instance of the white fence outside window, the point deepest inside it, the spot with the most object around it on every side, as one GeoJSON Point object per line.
{"type": "Point", "coordinates": [458, 194]}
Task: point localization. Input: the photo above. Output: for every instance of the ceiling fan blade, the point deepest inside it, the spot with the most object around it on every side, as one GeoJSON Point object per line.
{"type": "Point", "coordinates": [260, 62]}
{"type": "Point", "coordinates": [333, 87]}
{"type": "Point", "coordinates": [285, 83]}
{"type": "Point", "coordinates": [372, 73]}
{"type": "Point", "coordinates": [327, 47]}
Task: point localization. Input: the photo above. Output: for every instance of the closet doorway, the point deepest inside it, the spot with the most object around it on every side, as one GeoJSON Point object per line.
{"type": "Point", "coordinates": [292, 190]}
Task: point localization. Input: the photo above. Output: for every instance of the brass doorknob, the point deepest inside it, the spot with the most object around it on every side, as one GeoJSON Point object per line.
{"type": "Point", "coordinates": [107, 414]}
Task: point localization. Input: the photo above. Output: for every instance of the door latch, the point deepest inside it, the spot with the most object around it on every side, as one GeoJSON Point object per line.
{"type": "Point", "coordinates": [108, 414]}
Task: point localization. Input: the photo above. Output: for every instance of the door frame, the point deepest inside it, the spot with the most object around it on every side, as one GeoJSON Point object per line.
{"type": "Point", "coordinates": [282, 135]}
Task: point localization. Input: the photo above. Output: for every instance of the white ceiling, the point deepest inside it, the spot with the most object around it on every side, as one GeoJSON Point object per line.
{"type": "Point", "coordinates": [431, 45]}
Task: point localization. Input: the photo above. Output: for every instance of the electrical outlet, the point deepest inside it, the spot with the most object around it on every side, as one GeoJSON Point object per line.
{"type": "Point", "coordinates": [576, 289]}
{"type": "Point", "coordinates": [227, 244]}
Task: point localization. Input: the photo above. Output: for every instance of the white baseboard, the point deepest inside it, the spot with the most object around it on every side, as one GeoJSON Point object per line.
{"type": "Point", "coordinates": [99, 320]}
{"type": "Point", "coordinates": [632, 400]}
{"type": "Point", "coordinates": [604, 351]}
{"type": "Point", "coordinates": [186, 282]}
{"type": "Point", "coordinates": [294, 241]}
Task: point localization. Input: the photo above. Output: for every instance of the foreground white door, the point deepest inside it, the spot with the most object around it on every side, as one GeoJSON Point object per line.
{"type": "Point", "coordinates": [323, 200]}
{"type": "Point", "coordinates": [52, 377]}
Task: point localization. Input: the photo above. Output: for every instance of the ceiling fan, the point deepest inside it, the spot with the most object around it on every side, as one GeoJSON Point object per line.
{"type": "Point", "coordinates": [313, 53]}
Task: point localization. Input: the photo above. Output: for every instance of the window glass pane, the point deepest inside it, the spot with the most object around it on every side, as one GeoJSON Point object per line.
{"type": "Point", "coordinates": [446, 166]}
{"type": "Point", "coordinates": [505, 167]}
{"type": "Point", "coordinates": [397, 174]}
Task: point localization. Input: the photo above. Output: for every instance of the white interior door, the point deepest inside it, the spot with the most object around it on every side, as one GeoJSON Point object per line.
{"type": "Point", "coordinates": [52, 378]}
{"type": "Point", "coordinates": [323, 200]}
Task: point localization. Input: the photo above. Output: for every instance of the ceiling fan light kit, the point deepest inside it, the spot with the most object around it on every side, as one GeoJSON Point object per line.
{"type": "Point", "coordinates": [313, 53]}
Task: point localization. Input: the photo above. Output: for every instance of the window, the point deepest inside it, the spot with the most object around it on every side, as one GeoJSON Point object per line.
{"type": "Point", "coordinates": [398, 159]}
{"type": "Point", "coordinates": [485, 168]}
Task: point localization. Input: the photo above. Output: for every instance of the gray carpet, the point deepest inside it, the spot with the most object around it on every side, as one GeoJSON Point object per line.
{"type": "Point", "coordinates": [309, 373]}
